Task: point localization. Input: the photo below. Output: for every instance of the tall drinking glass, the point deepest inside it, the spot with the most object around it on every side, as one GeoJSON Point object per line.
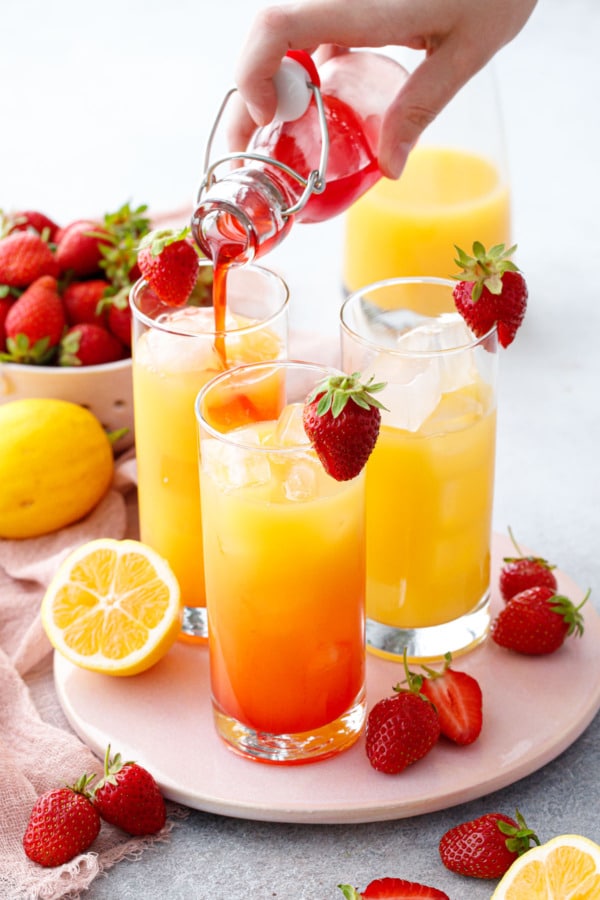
{"type": "Point", "coordinates": [453, 191]}
{"type": "Point", "coordinates": [430, 477]}
{"type": "Point", "coordinates": [284, 557]}
{"type": "Point", "coordinates": [175, 352]}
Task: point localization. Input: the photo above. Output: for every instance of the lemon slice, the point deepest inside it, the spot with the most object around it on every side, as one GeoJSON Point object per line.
{"type": "Point", "coordinates": [564, 868]}
{"type": "Point", "coordinates": [112, 607]}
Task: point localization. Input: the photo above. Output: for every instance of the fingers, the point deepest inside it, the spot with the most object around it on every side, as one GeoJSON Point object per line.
{"type": "Point", "coordinates": [423, 96]}
{"type": "Point", "coordinates": [239, 126]}
{"type": "Point", "coordinates": [303, 26]}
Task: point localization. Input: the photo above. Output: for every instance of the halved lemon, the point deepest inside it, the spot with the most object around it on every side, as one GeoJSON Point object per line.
{"type": "Point", "coordinates": [565, 868]}
{"type": "Point", "coordinates": [113, 607]}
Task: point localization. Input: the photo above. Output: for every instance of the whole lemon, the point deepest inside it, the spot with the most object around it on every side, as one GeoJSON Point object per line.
{"type": "Point", "coordinates": [56, 464]}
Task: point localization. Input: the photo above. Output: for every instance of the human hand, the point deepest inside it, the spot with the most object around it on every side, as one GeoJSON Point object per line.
{"type": "Point", "coordinates": [459, 37]}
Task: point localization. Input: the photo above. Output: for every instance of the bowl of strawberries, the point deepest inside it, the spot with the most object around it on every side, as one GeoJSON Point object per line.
{"type": "Point", "coordinates": [65, 323]}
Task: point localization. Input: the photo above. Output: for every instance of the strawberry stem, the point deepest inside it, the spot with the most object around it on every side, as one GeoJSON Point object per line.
{"type": "Point", "coordinates": [518, 840]}
{"type": "Point", "coordinates": [336, 390]}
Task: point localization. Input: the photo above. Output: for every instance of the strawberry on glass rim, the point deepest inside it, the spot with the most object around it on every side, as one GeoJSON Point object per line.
{"type": "Point", "coordinates": [168, 260]}
{"type": "Point", "coordinates": [490, 291]}
{"type": "Point", "coordinates": [341, 419]}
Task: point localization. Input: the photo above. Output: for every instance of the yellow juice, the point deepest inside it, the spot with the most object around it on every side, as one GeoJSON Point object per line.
{"type": "Point", "coordinates": [284, 558]}
{"type": "Point", "coordinates": [410, 226]}
{"type": "Point", "coordinates": [429, 510]}
{"type": "Point", "coordinates": [168, 372]}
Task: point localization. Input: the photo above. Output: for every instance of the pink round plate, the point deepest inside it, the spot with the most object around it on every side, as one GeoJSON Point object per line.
{"type": "Point", "coordinates": [534, 708]}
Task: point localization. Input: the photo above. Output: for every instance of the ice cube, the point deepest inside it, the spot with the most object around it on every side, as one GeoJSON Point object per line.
{"type": "Point", "coordinates": [289, 430]}
{"type": "Point", "coordinates": [231, 466]}
{"type": "Point", "coordinates": [301, 480]}
{"type": "Point", "coordinates": [447, 336]}
{"type": "Point", "coordinates": [412, 390]}
{"type": "Point", "coordinates": [168, 353]}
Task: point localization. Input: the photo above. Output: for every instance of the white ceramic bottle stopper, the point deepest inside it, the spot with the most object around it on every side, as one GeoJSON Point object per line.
{"type": "Point", "coordinates": [292, 84]}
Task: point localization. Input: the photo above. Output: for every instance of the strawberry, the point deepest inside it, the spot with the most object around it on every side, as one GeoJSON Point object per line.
{"type": "Point", "coordinates": [119, 322]}
{"type": "Point", "coordinates": [129, 797]}
{"type": "Point", "coordinates": [35, 322]}
{"type": "Point", "coordinates": [342, 419]}
{"type": "Point", "coordinates": [490, 290]}
{"type": "Point", "coordinates": [63, 823]}
{"type": "Point", "coordinates": [521, 572]}
{"type": "Point", "coordinates": [537, 621]}
{"type": "Point", "coordinates": [393, 889]}
{"type": "Point", "coordinates": [24, 257]}
{"type": "Point", "coordinates": [169, 263]}
{"type": "Point", "coordinates": [78, 249]}
{"type": "Point", "coordinates": [82, 299]}
{"type": "Point", "coordinates": [5, 304]}
{"type": "Point", "coordinates": [401, 729]}
{"type": "Point", "coordinates": [458, 701]}
{"type": "Point", "coordinates": [88, 344]}
{"type": "Point", "coordinates": [485, 847]}
{"type": "Point", "coordinates": [31, 218]}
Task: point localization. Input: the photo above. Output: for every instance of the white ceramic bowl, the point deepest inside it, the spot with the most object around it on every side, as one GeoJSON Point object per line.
{"type": "Point", "coordinates": [106, 390]}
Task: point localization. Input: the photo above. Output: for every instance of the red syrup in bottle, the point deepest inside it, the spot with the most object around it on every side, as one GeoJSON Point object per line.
{"type": "Point", "coordinates": [249, 208]}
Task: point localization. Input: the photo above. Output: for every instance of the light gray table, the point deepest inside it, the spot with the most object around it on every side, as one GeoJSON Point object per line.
{"type": "Point", "coordinates": [548, 487]}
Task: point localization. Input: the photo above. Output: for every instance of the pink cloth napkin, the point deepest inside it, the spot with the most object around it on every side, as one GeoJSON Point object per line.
{"type": "Point", "coordinates": [38, 751]}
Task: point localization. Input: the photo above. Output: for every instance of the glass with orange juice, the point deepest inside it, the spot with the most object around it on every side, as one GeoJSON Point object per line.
{"type": "Point", "coordinates": [284, 557]}
{"type": "Point", "coordinates": [453, 190]}
{"type": "Point", "coordinates": [175, 352]}
{"type": "Point", "coordinates": [430, 478]}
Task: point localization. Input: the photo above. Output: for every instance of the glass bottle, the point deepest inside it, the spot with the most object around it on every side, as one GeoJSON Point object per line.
{"type": "Point", "coordinates": [317, 156]}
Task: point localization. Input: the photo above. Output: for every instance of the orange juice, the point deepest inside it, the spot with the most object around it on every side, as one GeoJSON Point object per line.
{"type": "Point", "coordinates": [408, 227]}
{"type": "Point", "coordinates": [285, 587]}
{"type": "Point", "coordinates": [284, 557]}
{"type": "Point", "coordinates": [429, 512]}
{"type": "Point", "coordinates": [168, 371]}
{"type": "Point", "coordinates": [430, 478]}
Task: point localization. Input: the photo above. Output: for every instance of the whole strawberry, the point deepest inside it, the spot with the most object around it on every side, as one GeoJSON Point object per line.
{"type": "Point", "coordinates": [119, 319]}
{"type": "Point", "coordinates": [5, 304]}
{"type": "Point", "coordinates": [63, 823]}
{"type": "Point", "coordinates": [487, 846]}
{"type": "Point", "coordinates": [341, 419]}
{"type": "Point", "coordinates": [34, 324]}
{"type": "Point", "coordinates": [88, 344]}
{"type": "Point", "coordinates": [28, 219]}
{"type": "Point", "coordinates": [401, 729]}
{"type": "Point", "coordinates": [78, 248]}
{"type": "Point", "coordinates": [129, 797]}
{"type": "Point", "coordinates": [169, 263]}
{"type": "Point", "coordinates": [521, 572]}
{"type": "Point", "coordinates": [490, 290]}
{"type": "Point", "coordinates": [83, 301]}
{"type": "Point", "coordinates": [537, 621]}
{"type": "Point", "coordinates": [393, 889]}
{"type": "Point", "coordinates": [25, 257]}
{"type": "Point", "coordinates": [458, 701]}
